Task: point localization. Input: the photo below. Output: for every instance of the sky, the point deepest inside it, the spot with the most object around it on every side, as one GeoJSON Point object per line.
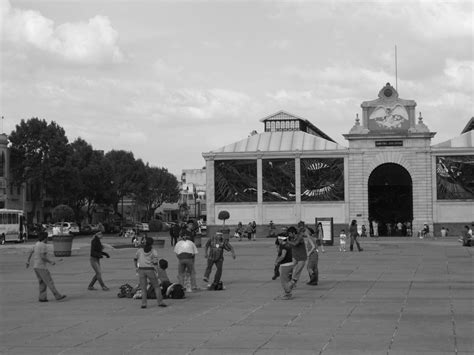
{"type": "Point", "coordinates": [169, 80]}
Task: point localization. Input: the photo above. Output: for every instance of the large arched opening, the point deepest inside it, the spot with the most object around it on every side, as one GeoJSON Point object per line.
{"type": "Point", "coordinates": [390, 198]}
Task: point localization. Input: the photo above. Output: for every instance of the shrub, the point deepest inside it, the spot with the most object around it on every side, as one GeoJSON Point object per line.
{"type": "Point", "coordinates": [223, 215]}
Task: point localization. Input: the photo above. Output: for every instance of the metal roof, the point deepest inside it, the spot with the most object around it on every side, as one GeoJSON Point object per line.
{"type": "Point", "coordinates": [465, 140]}
{"type": "Point", "coordinates": [286, 141]}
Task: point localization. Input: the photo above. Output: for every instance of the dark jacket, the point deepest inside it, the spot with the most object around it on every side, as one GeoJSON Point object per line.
{"type": "Point", "coordinates": [97, 248]}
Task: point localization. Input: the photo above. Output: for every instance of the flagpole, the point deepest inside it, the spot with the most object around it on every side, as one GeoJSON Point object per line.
{"type": "Point", "coordinates": [396, 69]}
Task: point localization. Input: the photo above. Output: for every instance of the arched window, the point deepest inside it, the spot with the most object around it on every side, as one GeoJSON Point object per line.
{"type": "Point", "coordinates": [273, 126]}
{"type": "Point", "coordinates": [277, 125]}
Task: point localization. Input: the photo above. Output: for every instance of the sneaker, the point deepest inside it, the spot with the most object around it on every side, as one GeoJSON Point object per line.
{"type": "Point", "coordinates": [43, 300]}
{"type": "Point", "coordinates": [105, 288]}
{"type": "Point", "coordinates": [196, 289]}
{"type": "Point", "coordinates": [162, 305]}
{"type": "Point", "coordinates": [61, 298]}
{"type": "Point", "coordinates": [205, 279]}
{"type": "Point", "coordinates": [284, 297]}
{"type": "Point", "coordinates": [91, 288]}
{"type": "Point", "coordinates": [143, 306]}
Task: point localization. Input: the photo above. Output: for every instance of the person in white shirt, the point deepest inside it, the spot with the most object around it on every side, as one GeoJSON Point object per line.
{"type": "Point", "coordinates": [185, 251]}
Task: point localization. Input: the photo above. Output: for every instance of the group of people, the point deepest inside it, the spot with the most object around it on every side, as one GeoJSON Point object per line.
{"type": "Point", "coordinates": [249, 231]}
{"type": "Point", "coordinates": [149, 269]}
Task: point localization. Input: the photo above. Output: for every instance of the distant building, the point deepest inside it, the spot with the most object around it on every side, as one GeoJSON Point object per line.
{"type": "Point", "coordinates": [389, 172]}
{"type": "Point", "coordinates": [193, 192]}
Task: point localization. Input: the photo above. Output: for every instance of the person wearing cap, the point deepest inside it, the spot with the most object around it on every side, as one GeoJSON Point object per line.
{"type": "Point", "coordinates": [189, 231]}
{"type": "Point", "coordinates": [284, 255]}
{"type": "Point", "coordinates": [214, 253]}
{"type": "Point", "coordinates": [97, 252]}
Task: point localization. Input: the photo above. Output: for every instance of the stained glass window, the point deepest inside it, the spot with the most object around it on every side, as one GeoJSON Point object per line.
{"type": "Point", "coordinates": [235, 180]}
{"type": "Point", "coordinates": [322, 179]}
{"type": "Point", "coordinates": [455, 177]}
{"type": "Point", "coordinates": [278, 179]}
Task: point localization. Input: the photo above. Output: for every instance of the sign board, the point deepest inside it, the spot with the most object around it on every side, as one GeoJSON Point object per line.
{"type": "Point", "coordinates": [389, 143]}
{"type": "Point", "coordinates": [327, 224]}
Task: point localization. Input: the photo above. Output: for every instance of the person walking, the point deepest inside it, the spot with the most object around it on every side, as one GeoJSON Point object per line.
{"type": "Point", "coordinates": [375, 227]}
{"type": "Point", "coordinates": [214, 253]}
{"type": "Point", "coordinates": [186, 252]}
{"type": "Point", "coordinates": [146, 262]}
{"type": "Point", "coordinates": [342, 241]}
{"type": "Point", "coordinates": [189, 231]}
{"type": "Point", "coordinates": [97, 251]}
{"type": "Point", "coordinates": [40, 266]}
{"type": "Point", "coordinates": [353, 233]}
{"type": "Point", "coordinates": [313, 259]}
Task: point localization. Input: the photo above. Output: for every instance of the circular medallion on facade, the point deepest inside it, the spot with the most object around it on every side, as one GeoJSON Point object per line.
{"type": "Point", "coordinates": [388, 92]}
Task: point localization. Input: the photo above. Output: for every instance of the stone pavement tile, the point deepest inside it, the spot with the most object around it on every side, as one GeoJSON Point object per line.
{"type": "Point", "coordinates": [285, 351]}
{"type": "Point", "coordinates": [423, 341]}
{"type": "Point", "coordinates": [175, 340]}
{"type": "Point", "coordinates": [222, 351]}
{"type": "Point", "coordinates": [297, 339]}
{"type": "Point", "coordinates": [37, 350]}
{"type": "Point", "coordinates": [372, 343]}
{"type": "Point", "coordinates": [416, 352]}
{"type": "Point", "coordinates": [465, 342]}
{"type": "Point", "coordinates": [381, 327]}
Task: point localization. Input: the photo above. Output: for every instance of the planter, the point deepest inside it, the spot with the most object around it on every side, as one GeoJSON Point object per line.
{"type": "Point", "coordinates": [160, 243]}
{"type": "Point", "coordinates": [62, 245]}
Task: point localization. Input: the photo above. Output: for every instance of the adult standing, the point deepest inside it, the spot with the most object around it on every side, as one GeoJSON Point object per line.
{"type": "Point", "coordinates": [146, 263]}
{"type": "Point", "coordinates": [375, 227]}
{"type": "Point", "coordinates": [353, 233]}
{"type": "Point", "coordinates": [40, 266]}
{"type": "Point", "coordinates": [298, 252]}
{"type": "Point", "coordinates": [313, 259]}
{"type": "Point", "coordinates": [283, 256]}
{"type": "Point", "coordinates": [320, 236]}
{"type": "Point", "coordinates": [214, 253]}
{"type": "Point", "coordinates": [174, 233]}
{"type": "Point", "coordinates": [189, 231]}
{"type": "Point", "coordinates": [97, 252]}
{"type": "Point", "coordinates": [254, 230]}
{"type": "Point", "coordinates": [186, 251]}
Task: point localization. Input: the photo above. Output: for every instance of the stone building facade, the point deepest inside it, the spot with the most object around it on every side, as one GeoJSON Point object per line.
{"type": "Point", "coordinates": [389, 173]}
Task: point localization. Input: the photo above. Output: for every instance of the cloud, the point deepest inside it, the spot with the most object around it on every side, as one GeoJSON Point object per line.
{"type": "Point", "coordinates": [282, 44]}
{"type": "Point", "coordinates": [460, 74]}
{"type": "Point", "coordinates": [92, 42]}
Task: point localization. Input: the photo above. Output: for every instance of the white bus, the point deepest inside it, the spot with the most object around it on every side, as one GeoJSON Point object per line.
{"type": "Point", "coordinates": [12, 226]}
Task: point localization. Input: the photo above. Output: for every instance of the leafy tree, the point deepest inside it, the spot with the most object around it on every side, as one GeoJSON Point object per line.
{"type": "Point", "coordinates": [129, 175]}
{"type": "Point", "coordinates": [40, 156]}
{"type": "Point", "coordinates": [62, 213]}
{"type": "Point", "coordinates": [161, 187]}
{"type": "Point", "coordinates": [93, 183]}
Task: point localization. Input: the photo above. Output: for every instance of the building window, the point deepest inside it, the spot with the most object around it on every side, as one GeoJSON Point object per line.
{"type": "Point", "coordinates": [292, 125]}
{"type": "Point", "coordinates": [273, 126]}
{"type": "Point", "coordinates": [268, 126]}
{"type": "Point", "coordinates": [455, 177]}
{"type": "Point", "coordinates": [322, 179]}
{"type": "Point", "coordinates": [277, 125]}
{"type": "Point", "coordinates": [287, 125]}
{"type": "Point", "coordinates": [235, 180]}
{"type": "Point", "coordinates": [278, 179]}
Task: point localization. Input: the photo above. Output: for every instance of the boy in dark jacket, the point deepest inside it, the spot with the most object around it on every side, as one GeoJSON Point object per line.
{"type": "Point", "coordinates": [97, 251]}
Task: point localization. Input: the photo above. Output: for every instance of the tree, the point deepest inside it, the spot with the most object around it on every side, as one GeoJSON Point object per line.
{"type": "Point", "coordinates": [161, 187]}
{"type": "Point", "coordinates": [63, 213]}
{"type": "Point", "coordinates": [93, 178]}
{"type": "Point", "coordinates": [129, 175]}
{"type": "Point", "coordinates": [40, 156]}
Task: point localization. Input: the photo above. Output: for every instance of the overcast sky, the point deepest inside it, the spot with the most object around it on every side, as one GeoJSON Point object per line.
{"type": "Point", "coordinates": [169, 80]}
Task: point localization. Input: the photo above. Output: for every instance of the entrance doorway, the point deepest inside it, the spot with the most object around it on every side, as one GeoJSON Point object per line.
{"type": "Point", "coordinates": [390, 199]}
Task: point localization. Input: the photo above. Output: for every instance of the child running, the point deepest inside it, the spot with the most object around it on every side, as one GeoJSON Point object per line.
{"type": "Point", "coordinates": [342, 241]}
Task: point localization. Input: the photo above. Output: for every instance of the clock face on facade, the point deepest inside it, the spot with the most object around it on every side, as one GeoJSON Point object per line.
{"type": "Point", "coordinates": [387, 92]}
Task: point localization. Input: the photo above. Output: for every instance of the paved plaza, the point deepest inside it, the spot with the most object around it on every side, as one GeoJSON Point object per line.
{"type": "Point", "coordinates": [398, 296]}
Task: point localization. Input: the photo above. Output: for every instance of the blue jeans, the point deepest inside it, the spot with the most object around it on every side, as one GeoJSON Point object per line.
{"type": "Point", "coordinates": [95, 263]}
{"type": "Point", "coordinates": [145, 275]}
{"type": "Point", "coordinates": [298, 266]}
{"type": "Point", "coordinates": [285, 278]}
{"type": "Point", "coordinates": [186, 265]}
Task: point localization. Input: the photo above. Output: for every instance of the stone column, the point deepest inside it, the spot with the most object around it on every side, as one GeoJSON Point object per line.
{"type": "Point", "coordinates": [298, 186]}
{"type": "Point", "coordinates": [259, 217]}
{"type": "Point", "coordinates": [210, 190]}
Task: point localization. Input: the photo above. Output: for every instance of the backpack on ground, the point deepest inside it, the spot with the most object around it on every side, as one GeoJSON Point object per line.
{"type": "Point", "coordinates": [125, 291]}
{"type": "Point", "coordinates": [175, 291]}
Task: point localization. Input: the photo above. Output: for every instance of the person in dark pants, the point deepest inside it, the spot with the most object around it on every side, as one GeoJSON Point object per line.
{"type": "Point", "coordinates": [214, 253]}
{"type": "Point", "coordinates": [97, 251]}
{"type": "Point", "coordinates": [40, 262]}
{"type": "Point", "coordinates": [174, 233]}
{"type": "Point", "coordinates": [189, 231]}
{"type": "Point", "coordinates": [284, 255]}
{"type": "Point", "coordinates": [354, 234]}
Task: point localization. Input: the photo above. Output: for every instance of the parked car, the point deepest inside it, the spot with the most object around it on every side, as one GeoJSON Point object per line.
{"type": "Point", "coordinates": [142, 227]}
{"type": "Point", "coordinates": [34, 230]}
{"type": "Point", "coordinates": [89, 229]}
{"type": "Point", "coordinates": [66, 227]}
